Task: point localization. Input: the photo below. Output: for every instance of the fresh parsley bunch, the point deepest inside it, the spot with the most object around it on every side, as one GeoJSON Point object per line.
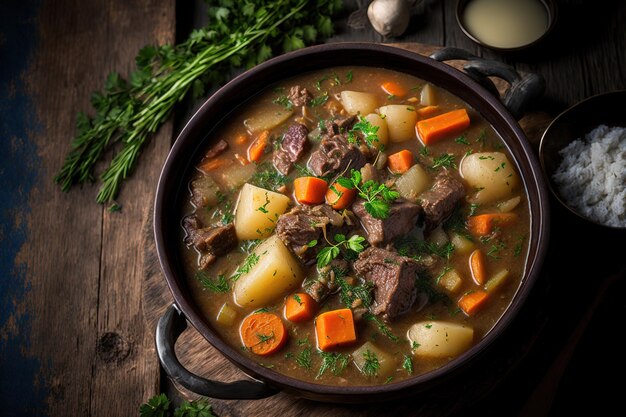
{"type": "Point", "coordinates": [160, 406]}
{"type": "Point", "coordinates": [130, 111]}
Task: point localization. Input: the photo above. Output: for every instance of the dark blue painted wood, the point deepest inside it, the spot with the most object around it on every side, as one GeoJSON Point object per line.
{"type": "Point", "coordinates": [21, 383]}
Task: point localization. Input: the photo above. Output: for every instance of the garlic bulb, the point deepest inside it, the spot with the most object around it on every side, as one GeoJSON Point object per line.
{"type": "Point", "coordinates": [389, 17]}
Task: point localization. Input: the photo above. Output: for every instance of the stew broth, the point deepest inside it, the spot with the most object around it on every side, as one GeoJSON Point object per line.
{"type": "Point", "coordinates": [441, 252]}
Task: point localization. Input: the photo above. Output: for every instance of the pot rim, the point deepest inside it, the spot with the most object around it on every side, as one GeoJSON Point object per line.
{"type": "Point", "coordinates": [533, 181]}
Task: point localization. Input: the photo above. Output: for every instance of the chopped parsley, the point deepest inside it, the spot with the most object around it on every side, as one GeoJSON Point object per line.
{"type": "Point", "coordinates": [246, 266]}
{"type": "Point", "coordinates": [473, 209]}
{"type": "Point", "coordinates": [407, 364]}
{"type": "Point", "coordinates": [368, 130]}
{"type": "Point", "coordinates": [445, 160]}
{"type": "Point", "coordinates": [219, 284]}
{"type": "Point", "coordinates": [371, 364]}
{"type": "Point", "coordinates": [298, 299]}
{"type": "Point", "coordinates": [303, 359]}
{"type": "Point", "coordinates": [267, 177]}
{"type": "Point", "coordinates": [333, 362]}
{"type": "Point", "coordinates": [495, 251]}
{"type": "Point", "coordinates": [517, 250]}
{"type": "Point", "coordinates": [424, 151]}
{"type": "Point", "coordinates": [382, 327]}
{"type": "Point", "coordinates": [284, 101]}
{"type": "Point", "coordinates": [319, 100]}
{"type": "Point", "coordinates": [462, 140]}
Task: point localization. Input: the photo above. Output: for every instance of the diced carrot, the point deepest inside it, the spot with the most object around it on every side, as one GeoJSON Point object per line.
{"type": "Point", "coordinates": [483, 224]}
{"type": "Point", "coordinates": [340, 197]}
{"type": "Point", "coordinates": [478, 266]}
{"type": "Point", "coordinates": [472, 302]}
{"type": "Point", "coordinates": [300, 307]}
{"type": "Point", "coordinates": [393, 89]}
{"type": "Point", "coordinates": [427, 111]}
{"type": "Point", "coordinates": [243, 161]}
{"type": "Point", "coordinates": [335, 328]}
{"type": "Point", "coordinates": [442, 126]}
{"type": "Point", "coordinates": [263, 333]}
{"type": "Point", "coordinates": [400, 162]}
{"type": "Point", "coordinates": [213, 164]}
{"type": "Point", "coordinates": [257, 149]}
{"type": "Point", "coordinates": [241, 139]}
{"type": "Point", "coordinates": [310, 190]}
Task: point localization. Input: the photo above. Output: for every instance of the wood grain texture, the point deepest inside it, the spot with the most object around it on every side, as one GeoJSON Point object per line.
{"type": "Point", "coordinates": [84, 264]}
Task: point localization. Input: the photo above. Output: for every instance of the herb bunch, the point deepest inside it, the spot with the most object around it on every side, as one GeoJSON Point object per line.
{"type": "Point", "coordinates": [378, 197]}
{"type": "Point", "coordinates": [130, 111]}
{"type": "Point", "coordinates": [160, 406]}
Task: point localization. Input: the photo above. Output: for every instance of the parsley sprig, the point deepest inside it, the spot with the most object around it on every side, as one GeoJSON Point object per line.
{"type": "Point", "coordinates": [368, 131]}
{"type": "Point", "coordinates": [160, 406]}
{"type": "Point", "coordinates": [129, 112]}
{"type": "Point", "coordinates": [327, 254]}
{"type": "Point", "coordinates": [378, 197]}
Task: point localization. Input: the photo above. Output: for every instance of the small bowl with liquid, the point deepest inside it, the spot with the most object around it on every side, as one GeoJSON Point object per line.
{"type": "Point", "coordinates": [506, 25]}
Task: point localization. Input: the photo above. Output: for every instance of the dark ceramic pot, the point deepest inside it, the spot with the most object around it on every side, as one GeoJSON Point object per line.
{"type": "Point", "coordinates": [194, 136]}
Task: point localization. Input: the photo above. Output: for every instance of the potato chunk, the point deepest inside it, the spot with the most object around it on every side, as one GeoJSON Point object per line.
{"type": "Point", "coordinates": [275, 273]}
{"type": "Point", "coordinates": [413, 182]}
{"type": "Point", "coordinates": [373, 361]}
{"type": "Point", "coordinates": [491, 174]}
{"type": "Point", "coordinates": [440, 339]}
{"type": "Point", "coordinates": [383, 132]}
{"type": "Point", "coordinates": [267, 118]}
{"type": "Point", "coordinates": [257, 211]}
{"type": "Point", "coordinates": [401, 121]}
{"type": "Point", "coordinates": [356, 102]}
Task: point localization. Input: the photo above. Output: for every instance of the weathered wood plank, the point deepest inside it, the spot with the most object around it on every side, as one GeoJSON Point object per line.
{"type": "Point", "coordinates": [84, 264]}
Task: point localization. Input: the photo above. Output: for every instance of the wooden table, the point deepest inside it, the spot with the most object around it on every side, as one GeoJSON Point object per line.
{"type": "Point", "coordinates": [73, 336]}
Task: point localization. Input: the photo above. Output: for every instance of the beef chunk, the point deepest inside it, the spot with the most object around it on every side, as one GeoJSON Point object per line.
{"type": "Point", "coordinates": [216, 149]}
{"type": "Point", "coordinates": [393, 277]}
{"type": "Point", "coordinates": [340, 125]}
{"type": "Point", "coordinates": [302, 224]}
{"type": "Point", "coordinates": [326, 283]}
{"type": "Point", "coordinates": [335, 155]}
{"type": "Point", "coordinates": [291, 148]}
{"type": "Point", "coordinates": [299, 96]}
{"type": "Point", "coordinates": [211, 242]}
{"type": "Point", "coordinates": [402, 218]}
{"type": "Point", "coordinates": [440, 201]}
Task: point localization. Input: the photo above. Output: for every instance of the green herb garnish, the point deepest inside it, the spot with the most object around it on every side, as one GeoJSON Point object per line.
{"type": "Point", "coordinates": [219, 284]}
{"type": "Point", "coordinates": [128, 113]}
{"type": "Point", "coordinates": [333, 362]}
{"type": "Point", "coordinates": [247, 265]}
{"type": "Point", "coordinates": [445, 160]}
{"type": "Point", "coordinates": [327, 254]}
{"type": "Point", "coordinates": [371, 364]}
{"type": "Point", "coordinates": [267, 177]}
{"type": "Point", "coordinates": [378, 197]}
{"type": "Point", "coordinates": [407, 364]}
{"type": "Point", "coordinates": [382, 327]}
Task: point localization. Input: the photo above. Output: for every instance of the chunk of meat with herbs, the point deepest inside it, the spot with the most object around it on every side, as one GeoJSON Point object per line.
{"type": "Point", "coordinates": [403, 216]}
{"type": "Point", "coordinates": [440, 201]}
{"type": "Point", "coordinates": [393, 277]}
{"type": "Point", "coordinates": [299, 96]}
{"type": "Point", "coordinates": [211, 242]}
{"type": "Point", "coordinates": [336, 222]}
{"type": "Point", "coordinates": [292, 147]}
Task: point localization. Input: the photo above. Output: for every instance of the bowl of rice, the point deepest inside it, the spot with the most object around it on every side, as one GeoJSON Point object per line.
{"type": "Point", "coordinates": [583, 156]}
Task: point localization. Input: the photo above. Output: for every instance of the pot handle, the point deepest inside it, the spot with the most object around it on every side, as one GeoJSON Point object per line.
{"type": "Point", "coordinates": [522, 91]}
{"type": "Point", "coordinates": [170, 327]}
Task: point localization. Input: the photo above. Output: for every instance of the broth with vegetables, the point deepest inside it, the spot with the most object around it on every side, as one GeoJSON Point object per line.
{"type": "Point", "coordinates": [354, 226]}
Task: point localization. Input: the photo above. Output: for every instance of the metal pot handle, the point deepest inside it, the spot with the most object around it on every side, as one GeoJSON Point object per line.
{"type": "Point", "coordinates": [523, 90]}
{"type": "Point", "coordinates": [170, 327]}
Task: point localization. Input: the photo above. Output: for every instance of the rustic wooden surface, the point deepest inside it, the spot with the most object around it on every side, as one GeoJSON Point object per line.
{"type": "Point", "coordinates": [73, 339]}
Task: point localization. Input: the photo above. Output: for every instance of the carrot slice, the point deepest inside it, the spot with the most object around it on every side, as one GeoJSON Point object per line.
{"type": "Point", "coordinates": [472, 302]}
{"type": "Point", "coordinates": [427, 111]}
{"type": "Point", "coordinates": [335, 328]}
{"type": "Point", "coordinates": [393, 89]}
{"type": "Point", "coordinates": [263, 333]}
{"type": "Point", "coordinates": [310, 190]}
{"type": "Point", "coordinates": [478, 266]}
{"type": "Point", "coordinates": [483, 224]}
{"type": "Point", "coordinates": [257, 149]}
{"type": "Point", "coordinates": [215, 163]}
{"type": "Point", "coordinates": [340, 197]}
{"type": "Point", "coordinates": [400, 162]}
{"type": "Point", "coordinates": [442, 126]}
{"type": "Point", "coordinates": [300, 307]}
